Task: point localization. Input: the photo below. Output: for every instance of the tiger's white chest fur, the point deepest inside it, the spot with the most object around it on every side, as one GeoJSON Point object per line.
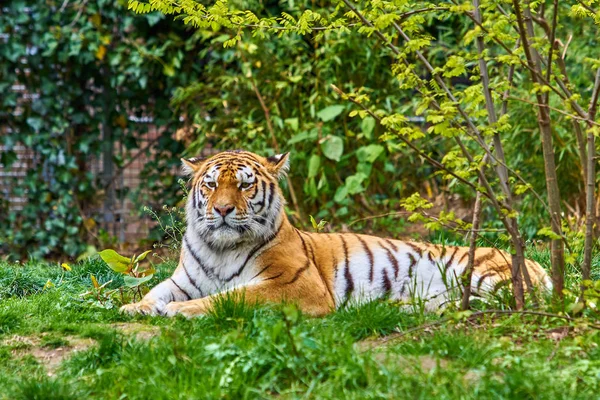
{"type": "Point", "coordinates": [214, 271]}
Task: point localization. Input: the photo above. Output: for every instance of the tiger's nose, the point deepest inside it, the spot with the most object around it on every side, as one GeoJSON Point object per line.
{"type": "Point", "coordinates": [224, 210]}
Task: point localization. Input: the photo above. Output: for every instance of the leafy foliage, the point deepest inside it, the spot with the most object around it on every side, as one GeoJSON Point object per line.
{"type": "Point", "coordinates": [274, 54]}
{"type": "Point", "coordinates": [89, 69]}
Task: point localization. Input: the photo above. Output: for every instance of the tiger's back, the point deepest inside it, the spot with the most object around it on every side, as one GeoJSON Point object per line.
{"type": "Point", "coordinates": [357, 268]}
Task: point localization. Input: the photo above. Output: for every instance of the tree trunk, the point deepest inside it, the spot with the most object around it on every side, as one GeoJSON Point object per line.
{"type": "Point", "coordinates": [590, 216]}
{"type": "Point", "coordinates": [544, 123]}
{"type": "Point", "coordinates": [467, 275]}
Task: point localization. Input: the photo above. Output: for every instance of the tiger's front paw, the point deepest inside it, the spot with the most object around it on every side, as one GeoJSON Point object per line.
{"type": "Point", "coordinates": [143, 307]}
{"type": "Point", "coordinates": [183, 308]}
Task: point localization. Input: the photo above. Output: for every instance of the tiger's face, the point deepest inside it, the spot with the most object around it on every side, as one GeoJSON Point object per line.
{"type": "Point", "coordinates": [234, 197]}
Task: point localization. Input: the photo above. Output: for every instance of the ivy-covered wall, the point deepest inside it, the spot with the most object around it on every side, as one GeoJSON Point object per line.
{"type": "Point", "coordinates": [85, 71]}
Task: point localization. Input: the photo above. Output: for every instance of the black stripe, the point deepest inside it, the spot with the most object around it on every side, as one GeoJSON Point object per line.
{"type": "Point", "coordinates": [415, 248]}
{"type": "Point", "coordinates": [369, 255]}
{"type": "Point", "coordinates": [181, 289]}
{"type": "Point", "coordinates": [449, 263]}
{"type": "Point", "coordinates": [387, 285]}
{"type": "Point", "coordinates": [306, 266]}
{"type": "Point", "coordinates": [483, 258]}
{"type": "Point", "coordinates": [264, 195]}
{"type": "Point", "coordinates": [253, 251]}
{"type": "Point", "coordinates": [194, 194]}
{"type": "Point", "coordinates": [271, 194]}
{"type": "Point", "coordinates": [192, 281]}
{"type": "Point", "coordinates": [262, 270]}
{"type": "Point", "coordinates": [392, 245]}
{"type": "Point", "coordinates": [392, 260]}
{"type": "Point", "coordinates": [413, 262]}
{"type": "Point", "coordinates": [209, 274]}
{"type": "Point", "coordinates": [462, 258]}
{"type": "Point", "coordinates": [347, 274]}
{"type": "Point", "coordinates": [430, 256]}
{"type": "Point", "coordinates": [312, 249]}
{"type": "Point", "coordinates": [310, 246]}
{"type": "Point", "coordinates": [482, 278]}
{"type": "Point", "coordinates": [299, 272]}
{"type": "Point", "coordinates": [273, 277]}
{"type": "Point", "coordinates": [403, 289]}
{"type": "Point", "coordinates": [443, 251]}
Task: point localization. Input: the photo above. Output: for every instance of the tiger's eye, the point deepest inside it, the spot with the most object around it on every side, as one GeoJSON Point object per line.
{"type": "Point", "coordinates": [245, 185]}
{"type": "Point", "coordinates": [211, 185]}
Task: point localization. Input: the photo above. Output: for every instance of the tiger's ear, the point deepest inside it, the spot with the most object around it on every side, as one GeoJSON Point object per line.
{"type": "Point", "coordinates": [191, 165]}
{"type": "Point", "coordinates": [279, 164]}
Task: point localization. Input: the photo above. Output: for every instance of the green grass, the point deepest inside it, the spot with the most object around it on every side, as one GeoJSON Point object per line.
{"type": "Point", "coordinates": [242, 351]}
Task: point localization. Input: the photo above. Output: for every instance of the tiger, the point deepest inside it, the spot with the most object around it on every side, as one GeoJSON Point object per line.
{"type": "Point", "coordinates": [238, 240]}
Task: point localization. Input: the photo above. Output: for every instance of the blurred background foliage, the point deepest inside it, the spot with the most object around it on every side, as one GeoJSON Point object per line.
{"type": "Point", "coordinates": [94, 63]}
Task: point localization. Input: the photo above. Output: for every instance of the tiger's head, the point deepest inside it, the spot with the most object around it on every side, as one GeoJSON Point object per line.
{"type": "Point", "coordinates": [234, 197]}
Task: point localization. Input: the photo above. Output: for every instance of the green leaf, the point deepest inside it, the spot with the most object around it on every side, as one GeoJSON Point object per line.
{"type": "Point", "coordinates": [364, 168]}
{"type": "Point", "coordinates": [115, 261]}
{"type": "Point", "coordinates": [329, 113]}
{"type": "Point", "coordinates": [333, 147]}
{"type": "Point", "coordinates": [35, 123]}
{"type": "Point", "coordinates": [293, 123]}
{"type": "Point", "coordinates": [369, 153]}
{"type": "Point", "coordinates": [354, 183]}
{"type": "Point", "coordinates": [313, 165]}
{"type": "Point", "coordinates": [340, 194]}
{"type": "Point", "coordinates": [142, 256]}
{"type": "Point", "coordinates": [313, 222]}
{"type": "Point", "coordinates": [302, 136]}
{"type": "Point", "coordinates": [367, 126]}
{"type": "Point", "coordinates": [131, 282]}
{"type": "Point", "coordinates": [547, 231]}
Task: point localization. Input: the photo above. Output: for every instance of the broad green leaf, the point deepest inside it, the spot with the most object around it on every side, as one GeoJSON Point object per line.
{"type": "Point", "coordinates": [369, 153]}
{"type": "Point", "coordinates": [115, 261]}
{"type": "Point", "coordinates": [367, 126]}
{"type": "Point", "coordinates": [354, 183]}
{"type": "Point", "coordinates": [313, 165]}
{"type": "Point", "coordinates": [333, 148]}
{"type": "Point", "coordinates": [340, 194]}
{"type": "Point", "coordinates": [293, 123]}
{"type": "Point", "coordinates": [302, 136]}
{"type": "Point", "coordinates": [364, 168]}
{"type": "Point", "coordinates": [131, 282]}
{"type": "Point", "coordinates": [329, 113]}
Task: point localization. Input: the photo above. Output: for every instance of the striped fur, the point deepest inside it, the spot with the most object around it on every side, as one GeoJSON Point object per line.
{"type": "Point", "coordinates": [238, 238]}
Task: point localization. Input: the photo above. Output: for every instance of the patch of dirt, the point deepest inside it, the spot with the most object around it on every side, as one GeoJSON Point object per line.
{"type": "Point", "coordinates": [140, 331]}
{"type": "Point", "coordinates": [423, 363]}
{"type": "Point", "coordinates": [49, 357]}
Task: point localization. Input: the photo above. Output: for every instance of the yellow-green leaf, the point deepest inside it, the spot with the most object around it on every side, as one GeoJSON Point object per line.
{"type": "Point", "coordinates": [115, 261]}
{"type": "Point", "coordinates": [142, 256]}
